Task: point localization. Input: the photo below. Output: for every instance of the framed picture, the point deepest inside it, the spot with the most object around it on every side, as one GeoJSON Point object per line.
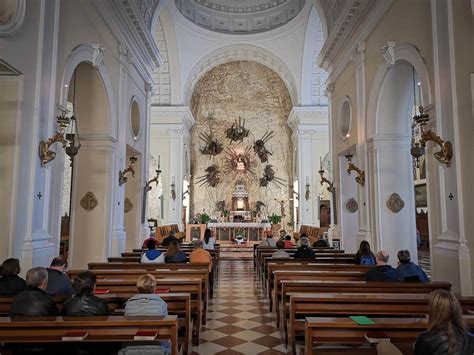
{"type": "Point", "coordinates": [421, 199]}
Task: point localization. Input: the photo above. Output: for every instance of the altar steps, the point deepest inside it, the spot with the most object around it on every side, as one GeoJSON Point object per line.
{"type": "Point", "coordinates": [234, 251]}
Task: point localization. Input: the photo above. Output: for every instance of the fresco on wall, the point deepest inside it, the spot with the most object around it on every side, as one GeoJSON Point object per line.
{"type": "Point", "coordinates": [256, 95]}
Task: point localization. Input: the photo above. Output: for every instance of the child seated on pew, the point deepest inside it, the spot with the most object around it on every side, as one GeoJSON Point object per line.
{"type": "Point", "coordinates": [146, 303]}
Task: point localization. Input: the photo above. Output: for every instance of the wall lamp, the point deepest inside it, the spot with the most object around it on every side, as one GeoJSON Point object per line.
{"type": "Point", "coordinates": [360, 179]}
{"type": "Point", "coordinates": [122, 178]}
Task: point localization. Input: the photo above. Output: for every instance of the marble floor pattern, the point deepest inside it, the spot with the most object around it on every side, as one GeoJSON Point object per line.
{"type": "Point", "coordinates": [239, 320]}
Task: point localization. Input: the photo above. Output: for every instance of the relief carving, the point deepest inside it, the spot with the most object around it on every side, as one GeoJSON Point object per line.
{"type": "Point", "coordinates": [395, 203]}
{"type": "Point", "coordinates": [127, 205]}
{"type": "Point", "coordinates": [352, 205]}
{"type": "Point", "coordinates": [89, 201]}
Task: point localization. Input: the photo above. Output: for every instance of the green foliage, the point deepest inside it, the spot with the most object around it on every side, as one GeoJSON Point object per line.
{"type": "Point", "coordinates": [226, 213]}
{"type": "Point", "coordinates": [205, 218]}
{"type": "Point", "coordinates": [274, 218]}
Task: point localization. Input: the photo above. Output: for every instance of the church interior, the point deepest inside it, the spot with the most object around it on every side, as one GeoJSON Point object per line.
{"type": "Point", "coordinates": [132, 129]}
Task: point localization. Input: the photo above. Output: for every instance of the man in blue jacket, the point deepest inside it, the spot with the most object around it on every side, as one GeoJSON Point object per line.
{"type": "Point", "coordinates": [409, 271]}
{"type": "Point", "coordinates": [382, 271]}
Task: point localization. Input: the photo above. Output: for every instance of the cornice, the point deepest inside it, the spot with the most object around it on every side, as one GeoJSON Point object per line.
{"type": "Point", "coordinates": [173, 115]}
{"type": "Point", "coordinates": [303, 118]}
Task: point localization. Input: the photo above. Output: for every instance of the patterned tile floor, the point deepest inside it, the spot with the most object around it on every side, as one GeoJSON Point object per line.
{"type": "Point", "coordinates": [239, 320]}
{"type": "Point", "coordinates": [424, 261]}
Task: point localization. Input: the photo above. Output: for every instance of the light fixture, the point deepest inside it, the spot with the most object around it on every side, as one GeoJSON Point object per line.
{"type": "Point", "coordinates": [67, 133]}
{"type": "Point", "coordinates": [331, 187]}
{"type": "Point", "coordinates": [173, 189]}
{"type": "Point", "coordinates": [122, 178]}
{"type": "Point", "coordinates": [154, 180]}
{"type": "Point", "coordinates": [418, 148]}
{"type": "Point", "coordinates": [360, 178]}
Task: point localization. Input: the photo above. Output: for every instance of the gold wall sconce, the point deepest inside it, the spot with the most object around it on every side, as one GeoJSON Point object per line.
{"type": "Point", "coordinates": [360, 178]}
{"type": "Point", "coordinates": [67, 134]}
{"type": "Point", "coordinates": [331, 187]}
{"type": "Point", "coordinates": [418, 148]}
{"type": "Point", "coordinates": [307, 193]}
{"type": "Point", "coordinates": [148, 186]}
{"type": "Point", "coordinates": [122, 178]}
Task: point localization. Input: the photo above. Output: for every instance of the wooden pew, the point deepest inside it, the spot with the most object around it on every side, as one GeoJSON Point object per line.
{"type": "Point", "coordinates": [401, 331]}
{"type": "Point", "coordinates": [191, 286]}
{"type": "Point", "coordinates": [179, 304]}
{"type": "Point", "coordinates": [116, 329]}
{"type": "Point", "coordinates": [353, 287]}
{"type": "Point", "coordinates": [312, 275]}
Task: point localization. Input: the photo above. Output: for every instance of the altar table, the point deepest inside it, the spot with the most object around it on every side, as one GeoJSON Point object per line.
{"type": "Point", "coordinates": [227, 231]}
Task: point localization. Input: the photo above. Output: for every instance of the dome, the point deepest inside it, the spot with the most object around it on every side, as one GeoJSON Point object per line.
{"type": "Point", "coordinates": [240, 16]}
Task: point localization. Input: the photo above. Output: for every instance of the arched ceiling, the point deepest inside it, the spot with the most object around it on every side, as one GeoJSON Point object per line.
{"type": "Point", "coordinates": [240, 16]}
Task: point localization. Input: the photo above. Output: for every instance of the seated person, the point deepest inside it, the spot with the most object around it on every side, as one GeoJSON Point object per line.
{"type": "Point", "coordinates": [58, 282]}
{"type": "Point", "coordinates": [280, 253]}
{"type": "Point", "coordinates": [10, 283]}
{"type": "Point", "coordinates": [209, 240]}
{"type": "Point", "coordinates": [174, 254]}
{"type": "Point", "coordinates": [151, 255]}
{"type": "Point", "coordinates": [269, 241]}
{"type": "Point", "coordinates": [199, 255]}
{"type": "Point", "coordinates": [407, 270]}
{"type": "Point", "coordinates": [151, 237]}
{"type": "Point", "coordinates": [169, 239]}
{"type": "Point", "coordinates": [147, 303]}
{"type": "Point", "coordinates": [364, 255]}
{"type": "Point", "coordinates": [383, 271]}
{"type": "Point", "coordinates": [288, 243]}
{"type": "Point", "coordinates": [304, 251]}
{"type": "Point", "coordinates": [33, 300]}
{"type": "Point", "coordinates": [321, 242]}
{"type": "Point", "coordinates": [447, 330]}
{"type": "Point", "coordinates": [84, 303]}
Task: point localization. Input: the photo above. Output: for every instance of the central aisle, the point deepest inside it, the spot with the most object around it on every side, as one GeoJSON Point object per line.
{"type": "Point", "coordinates": [239, 321]}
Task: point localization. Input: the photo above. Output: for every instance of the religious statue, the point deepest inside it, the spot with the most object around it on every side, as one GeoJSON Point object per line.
{"type": "Point", "coordinates": [212, 146]}
{"type": "Point", "coordinates": [269, 176]}
{"type": "Point", "coordinates": [259, 147]}
{"type": "Point", "coordinates": [212, 177]}
{"type": "Point", "coordinates": [282, 207]}
{"type": "Point", "coordinates": [237, 132]}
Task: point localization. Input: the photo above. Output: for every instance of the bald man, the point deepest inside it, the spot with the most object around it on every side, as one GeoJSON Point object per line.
{"type": "Point", "coordinates": [382, 271]}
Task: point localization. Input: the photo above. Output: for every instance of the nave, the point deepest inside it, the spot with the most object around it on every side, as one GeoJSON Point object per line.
{"type": "Point", "coordinates": [240, 321]}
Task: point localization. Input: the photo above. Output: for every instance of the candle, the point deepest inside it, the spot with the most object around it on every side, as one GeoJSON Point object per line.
{"type": "Point", "coordinates": [419, 94]}
{"type": "Point", "coordinates": [307, 179]}
{"type": "Point", "coordinates": [172, 179]}
{"type": "Point", "coordinates": [320, 163]}
{"type": "Point", "coordinates": [159, 159]}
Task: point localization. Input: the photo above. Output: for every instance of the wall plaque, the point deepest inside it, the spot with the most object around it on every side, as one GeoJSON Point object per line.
{"type": "Point", "coordinates": [127, 205]}
{"type": "Point", "coordinates": [352, 205]}
{"type": "Point", "coordinates": [395, 203]}
{"type": "Point", "coordinates": [89, 201]}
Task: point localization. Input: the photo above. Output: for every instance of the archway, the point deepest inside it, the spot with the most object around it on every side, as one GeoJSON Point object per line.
{"type": "Point", "coordinates": [390, 162]}
{"type": "Point", "coordinates": [91, 178]}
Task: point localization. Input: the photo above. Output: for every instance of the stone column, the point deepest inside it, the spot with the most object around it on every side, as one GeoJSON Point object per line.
{"type": "Point", "coordinates": [310, 140]}
{"type": "Point", "coordinates": [170, 137]}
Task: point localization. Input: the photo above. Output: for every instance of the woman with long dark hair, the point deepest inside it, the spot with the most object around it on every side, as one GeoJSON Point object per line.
{"type": "Point", "coordinates": [447, 330]}
{"type": "Point", "coordinates": [364, 255]}
{"type": "Point", "coordinates": [174, 254]}
{"type": "Point", "coordinates": [209, 241]}
{"type": "Point", "coordinates": [10, 283]}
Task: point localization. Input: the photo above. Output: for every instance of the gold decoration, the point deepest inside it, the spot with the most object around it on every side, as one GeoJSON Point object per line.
{"type": "Point", "coordinates": [360, 179]}
{"type": "Point", "coordinates": [89, 201]}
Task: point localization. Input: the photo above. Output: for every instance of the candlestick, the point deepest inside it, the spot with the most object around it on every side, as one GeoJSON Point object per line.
{"type": "Point", "coordinates": [159, 159]}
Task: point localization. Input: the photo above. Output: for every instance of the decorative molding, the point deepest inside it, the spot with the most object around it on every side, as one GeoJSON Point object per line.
{"type": "Point", "coordinates": [388, 52]}
{"type": "Point", "coordinates": [127, 205]}
{"type": "Point", "coordinates": [313, 118]}
{"type": "Point", "coordinates": [358, 53]}
{"type": "Point", "coordinates": [395, 203]}
{"type": "Point", "coordinates": [89, 201]}
{"type": "Point", "coordinates": [16, 21]}
{"type": "Point", "coordinates": [125, 53]}
{"type": "Point", "coordinates": [98, 53]}
{"type": "Point", "coordinates": [175, 117]}
{"type": "Point", "coordinates": [252, 18]}
{"type": "Point", "coordinates": [352, 205]}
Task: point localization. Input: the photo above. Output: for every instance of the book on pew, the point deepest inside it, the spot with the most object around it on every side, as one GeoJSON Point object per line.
{"type": "Point", "coordinates": [362, 320]}
{"type": "Point", "coordinates": [74, 336]}
{"type": "Point", "coordinates": [162, 290]}
{"type": "Point", "coordinates": [145, 335]}
{"type": "Point", "coordinates": [101, 291]}
{"type": "Point", "coordinates": [376, 337]}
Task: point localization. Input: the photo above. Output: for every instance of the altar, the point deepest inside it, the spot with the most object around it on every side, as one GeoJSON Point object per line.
{"type": "Point", "coordinates": [227, 231]}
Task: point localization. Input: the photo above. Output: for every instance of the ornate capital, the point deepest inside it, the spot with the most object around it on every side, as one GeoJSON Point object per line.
{"type": "Point", "coordinates": [124, 52]}
{"type": "Point", "coordinates": [358, 53]}
{"type": "Point", "coordinates": [97, 55]}
{"type": "Point", "coordinates": [388, 52]}
{"type": "Point", "coordinates": [329, 89]}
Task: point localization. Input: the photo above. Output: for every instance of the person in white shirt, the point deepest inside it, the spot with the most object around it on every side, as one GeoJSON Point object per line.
{"type": "Point", "coordinates": [209, 241]}
{"type": "Point", "coordinates": [151, 255]}
{"type": "Point", "coordinates": [269, 242]}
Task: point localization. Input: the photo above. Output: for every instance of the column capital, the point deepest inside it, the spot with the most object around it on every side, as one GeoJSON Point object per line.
{"type": "Point", "coordinates": [358, 53]}
{"type": "Point", "coordinates": [304, 118]}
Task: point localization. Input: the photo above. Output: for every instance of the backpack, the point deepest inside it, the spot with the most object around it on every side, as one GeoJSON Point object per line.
{"type": "Point", "coordinates": [367, 260]}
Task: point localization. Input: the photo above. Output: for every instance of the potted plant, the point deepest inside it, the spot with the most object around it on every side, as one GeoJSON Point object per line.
{"type": "Point", "coordinates": [226, 214]}
{"type": "Point", "coordinates": [275, 221]}
{"type": "Point", "coordinates": [204, 218]}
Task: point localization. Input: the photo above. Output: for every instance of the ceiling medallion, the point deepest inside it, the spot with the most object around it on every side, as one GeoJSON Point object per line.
{"type": "Point", "coordinates": [240, 162]}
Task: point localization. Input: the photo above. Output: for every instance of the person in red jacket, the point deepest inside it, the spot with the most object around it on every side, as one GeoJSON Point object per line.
{"type": "Point", "coordinates": [151, 237]}
{"type": "Point", "coordinates": [288, 243]}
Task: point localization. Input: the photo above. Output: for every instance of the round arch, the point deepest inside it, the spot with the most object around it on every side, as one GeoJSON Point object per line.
{"type": "Point", "coordinates": [400, 52]}
{"type": "Point", "coordinates": [239, 53]}
{"type": "Point", "coordinates": [92, 55]}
